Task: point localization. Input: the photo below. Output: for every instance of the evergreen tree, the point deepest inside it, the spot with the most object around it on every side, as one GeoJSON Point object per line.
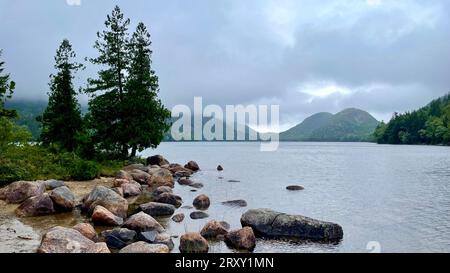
{"type": "Point", "coordinates": [146, 115]}
{"type": "Point", "coordinates": [6, 90]}
{"type": "Point", "coordinates": [106, 117]}
{"type": "Point", "coordinates": [61, 120]}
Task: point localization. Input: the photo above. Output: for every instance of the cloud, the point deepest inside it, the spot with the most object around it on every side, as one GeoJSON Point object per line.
{"type": "Point", "coordinates": [73, 2]}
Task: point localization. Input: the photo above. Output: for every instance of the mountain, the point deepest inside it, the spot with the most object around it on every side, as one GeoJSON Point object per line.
{"type": "Point", "coordinates": [348, 125]}
{"type": "Point", "coordinates": [28, 111]}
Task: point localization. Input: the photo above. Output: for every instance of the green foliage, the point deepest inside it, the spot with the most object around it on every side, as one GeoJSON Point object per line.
{"type": "Point", "coordinates": [6, 90]}
{"type": "Point", "coordinates": [61, 121]}
{"type": "Point", "coordinates": [428, 125]}
{"type": "Point", "coordinates": [84, 170]}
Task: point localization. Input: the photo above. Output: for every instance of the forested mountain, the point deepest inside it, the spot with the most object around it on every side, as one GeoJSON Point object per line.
{"type": "Point", "coordinates": [428, 125]}
{"type": "Point", "coordinates": [27, 111]}
{"type": "Point", "coordinates": [348, 125]}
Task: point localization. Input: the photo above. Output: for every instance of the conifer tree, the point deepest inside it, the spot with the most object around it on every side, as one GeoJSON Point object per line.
{"type": "Point", "coordinates": [6, 90]}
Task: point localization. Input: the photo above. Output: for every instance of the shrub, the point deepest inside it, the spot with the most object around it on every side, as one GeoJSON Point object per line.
{"type": "Point", "coordinates": [84, 170]}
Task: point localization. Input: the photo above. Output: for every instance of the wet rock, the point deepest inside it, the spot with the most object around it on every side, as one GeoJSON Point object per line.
{"type": "Point", "coordinates": [235, 203]}
{"type": "Point", "coordinates": [36, 206]}
{"type": "Point", "coordinates": [157, 209]}
{"type": "Point", "coordinates": [233, 181]}
{"type": "Point", "coordinates": [198, 215]}
{"type": "Point", "coordinates": [185, 181]}
{"type": "Point", "coordinates": [192, 165]}
{"type": "Point", "coordinates": [107, 198]}
{"type": "Point", "coordinates": [17, 192]}
{"type": "Point", "coordinates": [294, 188]}
{"type": "Point", "coordinates": [142, 222]}
{"type": "Point", "coordinates": [156, 238]}
{"type": "Point", "coordinates": [187, 207]}
{"type": "Point", "coordinates": [64, 240]}
{"type": "Point", "coordinates": [143, 247]}
{"type": "Point", "coordinates": [119, 237]}
{"type": "Point", "coordinates": [131, 189]}
{"type": "Point", "coordinates": [225, 224]}
{"type": "Point", "coordinates": [193, 190]}
{"type": "Point", "coordinates": [98, 248]}
{"type": "Point", "coordinates": [103, 217]}
{"type": "Point", "coordinates": [53, 184]}
{"type": "Point", "coordinates": [169, 198]}
{"type": "Point", "coordinates": [201, 202]}
{"type": "Point", "coordinates": [196, 185]}
{"type": "Point", "coordinates": [269, 223]}
{"type": "Point", "coordinates": [63, 198]}
{"type": "Point", "coordinates": [193, 242]}
{"type": "Point", "coordinates": [157, 160]}
{"type": "Point", "coordinates": [241, 239]}
{"type": "Point", "coordinates": [178, 218]}
{"type": "Point", "coordinates": [219, 168]}
{"type": "Point", "coordinates": [212, 229]}
{"type": "Point", "coordinates": [123, 175]}
{"type": "Point", "coordinates": [87, 230]}
{"type": "Point", "coordinates": [161, 190]}
{"type": "Point", "coordinates": [162, 177]}
{"type": "Point", "coordinates": [140, 176]}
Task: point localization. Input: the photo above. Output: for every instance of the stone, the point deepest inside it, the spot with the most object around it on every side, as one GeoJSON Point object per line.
{"type": "Point", "coordinates": [64, 240]}
{"type": "Point", "coordinates": [98, 248]}
{"type": "Point", "coordinates": [157, 209]}
{"type": "Point", "coordinates": [140, 176]}
{"type": "Point", "coordinates": [123, 175]}
{"type": "Point", "coordinates": [87, 230]}
{"type": "Point", "coordinates": [162, 177]}
{"type": "Point", "coordinates": [103, 217]}
{"type": "Point", "coordinates": [157, 160]}
{"type": "Point", "coordinates": [185, 181]}
{"type": "Point", "coordinates": [131, 189]}
{"type": "Point", "coordinates": [219, 168]}
{"type": "Point", "coordinates": [192, 165]}
{"type": "Point", "coordinates": [193, 242]}
{"type": "Point", "coordinates": [196, 185]}
{"type": "Point", "coordinates": [295, 188]}
{"type": "Point", "coordinates": [157, 238]}
{"type": "Point", "coordinates": [53, 184]}
{"type": "Point", "coordinates": [201, 202]}
{"type": "Point", "coordinates": [106, 198]}
{"type": "Point", "coordinates": [118, 190]}
{"type": "Point", "coordinates": [169, 198]}
{"type": "Point", "coordinates": [198, 215]}
{"type": "Point", "coordinates": [119, 237]}
{"type": "Point", "coordinates": [63, 198]}
{"type": "Point", "coordinates": [17, 192]}
{"type": "Point", "coordinates": [269, 223]}
{"type": "Point", "coordinates": [161, 190]}
{"type": "Point", "coordinates": [235, 203]}
{"type": "Point", "coordinates": [241, 239]}
{"type": "Point", "coordinates": [118, 182]}
{"type": "Point", "coordinates": [143, 247]}
{"type": "Point", "coordinates": [213, 229]}
{"type": "Point", "coordinates": [132, 167]}
{"type": "Point", "coordinates": [178, 218]}
{"type": "Point", "coordinates": [36, 206]}
{"type": "Point", "coordinates": [142, 222]}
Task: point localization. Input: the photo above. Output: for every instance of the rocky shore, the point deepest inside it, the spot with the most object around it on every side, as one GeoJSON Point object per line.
{"type": "Point", "coordinates": [121, 214]}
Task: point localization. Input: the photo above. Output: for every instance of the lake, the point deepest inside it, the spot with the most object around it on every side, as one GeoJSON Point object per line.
{"type": "Point", "coordinates": [396, 198]}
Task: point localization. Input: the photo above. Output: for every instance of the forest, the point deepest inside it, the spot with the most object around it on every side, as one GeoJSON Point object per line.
{"type": "Point", "coordinates": [124, 113]}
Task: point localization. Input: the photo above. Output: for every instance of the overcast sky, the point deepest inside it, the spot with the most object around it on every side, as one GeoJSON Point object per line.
{"type": "Point", "coordinates": [307, 56]}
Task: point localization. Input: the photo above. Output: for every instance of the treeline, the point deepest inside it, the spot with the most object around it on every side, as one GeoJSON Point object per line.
{"type": "Point", "coordinates": [428, 125]}
{"type": "Point", "coordinates": [124, 113]}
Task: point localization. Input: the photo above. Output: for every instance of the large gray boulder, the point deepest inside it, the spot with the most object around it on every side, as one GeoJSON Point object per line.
{"type": "Point", "coordinates": [63, 198]}
{"type": "Point", "coordinates": [157, 160]}
{"type": "Point", "coordinates": [143, 247]}
{"type": "Point", "coordinates": [107, 198]}
{"type": "Point", "coordinates": [157, 209]}
{"type": "Point", "coordinates": [269, 223]}
{"type": "Point", "coordinates": [17, 192]}
{"type": "Point", "coordinates": [142, 222]}
{"type": "Point", "coordinates": [65, 240]}
{"type": "Point", "coordinates": [36, 206]}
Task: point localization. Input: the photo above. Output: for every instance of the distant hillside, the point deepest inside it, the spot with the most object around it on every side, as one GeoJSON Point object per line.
{"type": "Point", "coordinates": [28, 110]}
{"type": "Point", "coordinates": [348, 125]}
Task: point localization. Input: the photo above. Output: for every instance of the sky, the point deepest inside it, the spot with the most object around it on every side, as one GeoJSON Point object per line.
{"type": "Point", "coordinates": [307, 56]}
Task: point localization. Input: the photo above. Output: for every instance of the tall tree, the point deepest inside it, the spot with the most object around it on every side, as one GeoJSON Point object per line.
{"type": "Point", "coordinates": [61, 120]}
{"type": "Point", "coordinates": [106, 116]}
{"type": "Point", "coordinates": [146, 115]}
{"type": "Point", "coordinates": [6, 90]}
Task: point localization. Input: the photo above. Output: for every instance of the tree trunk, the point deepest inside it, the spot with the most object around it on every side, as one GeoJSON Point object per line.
{"type": "Point", "coordinates": [133, 151]}
{"type": "Point", "coordinates": [125, 151]}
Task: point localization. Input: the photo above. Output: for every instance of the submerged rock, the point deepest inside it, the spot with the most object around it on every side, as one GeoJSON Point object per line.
{"type": "Point", "coordinates": [241, 239]}
{"type": "Point", "coordinates": [213, 229]}
{"type": "Point", "coordinates": [157, 209]}
{"type": "Point", "coordinates": [87, 230]}
{"type": "Point", "coordinates": [102, 216]}
{"type": "Point", "coordinates": [196, 185]}
{"type": "Point", "coordinates": [106, 198]}
{"type": "Point", "coordinates": [235, 203]}
{"type": "Point", "coordinates": [178, 218]}
{"type": "Point", "coordinates": [266, 222]}
{"type": "Point", "coordinates": [36, 206]}
{"type": "Point", "coordinates": [295, 188]}
{"type": "Point", "coordinates": [201, 202]}
{"type": "Point", "coordinates": [169, 198]}
{"type": "Point", "coordinates": [198, 215]}
{"type": "Point", "coordinates": [20, 191]}
{"type": "Point", "coordinates": [143, 247]}
{"type": "Point", "coordinates": [157, 160]}
{"type": "Point", "coordinates": [193, 242]}
{"type": "Point", "coordinates": [64, 240]}
{"type": "Point", "coordinates": [142, 222]}
{"type": "Point", "coordinates": [192, 165]}
{"type": "Point", "coordinates": [63, 198]}
{"type": "Point", "coordinates": [219, 168]}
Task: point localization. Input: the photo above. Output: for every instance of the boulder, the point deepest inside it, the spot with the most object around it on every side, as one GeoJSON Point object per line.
{"type": "Point", "coordinates": [241, 239]}
{"type": "Point", "coordinates": [178, 218]}
{"type": "Point", "coordinates": [118, 182]}
{"type": "Point", "coordinates": [157, 209]}
{"type": "Point", "coordinates": [123, 175]}
{"type": "Point", "coordinates": [178, 169]}
{"type": "Point", "coordinates": [162, 177]}
{"type": "Point", "coordinates": [185, 181]}
{"type": "Point", "coordinates": [235, 203]}
{"type": "Point", "coordinates": [193, 242]}
{"type": "Point", "coordinates": [294, 188]}
{"type": "Point", "coordinates": [196, 185]}
{"type": "Point", "coordinates": [87, 230]}
{"type": "Point", "coordinates": [17, 192]}
{"type": "Point", "coordinates": [269, 223]}
{"type": "Point", "coordinates": [157, 160]}
{"type": "Point", "coordinates": [118, 190]}
{"type": "Point", "coordinates": [63, 198]}
{"type": "Point", "coordinates": [103, 217]}
{"type": "Point", "coordinates": [53, 184]}
{"type": "Point", "coordinates": [212, 229]}
{"type": "Point", "coordinates": [192, 165]}
{"type": "Point", "coordinates": [64, 240]}
{"type": "Point", "coordinates": [140, 176]}
{"type": "Point", "coordinates": [132, 167]}
{"type": "Point", "coordinates": [156, 238]}
{"type": "Point", "coordinates": [161, 190]}
{"type": "Point", "coordinates": [131, 189]}
{"type": "Point", "coordinates": [169, 198]}
{"type": "Point", "coordinates": [36, 206]}
{"type": "Point", "coordinates": [107, 198]}
{"type": "Point", "coordinates": [143, 247]}
{"type": "Point", "coordinates": [198, 215]}
{"type": "Point", "coordinates": [201, 202]}
{"type": "Point", "coordinates": [119, 237]}
{"type": "Point", "coordinates": [219, 168]}
{"type": "Point", "coordinates": [98, 248]}
{"type": "Point", "coordinates": [142, 222]}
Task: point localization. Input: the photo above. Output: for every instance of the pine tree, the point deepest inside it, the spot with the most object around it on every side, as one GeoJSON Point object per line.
{"type": "Point", "coordinates": [106, 108]}
{"type": "Point", "coordinates": [6, 90]}
{"type": "Point", "coordinates": [146, 115]}
{"type": "Point", "coordinates": [61, 120]}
